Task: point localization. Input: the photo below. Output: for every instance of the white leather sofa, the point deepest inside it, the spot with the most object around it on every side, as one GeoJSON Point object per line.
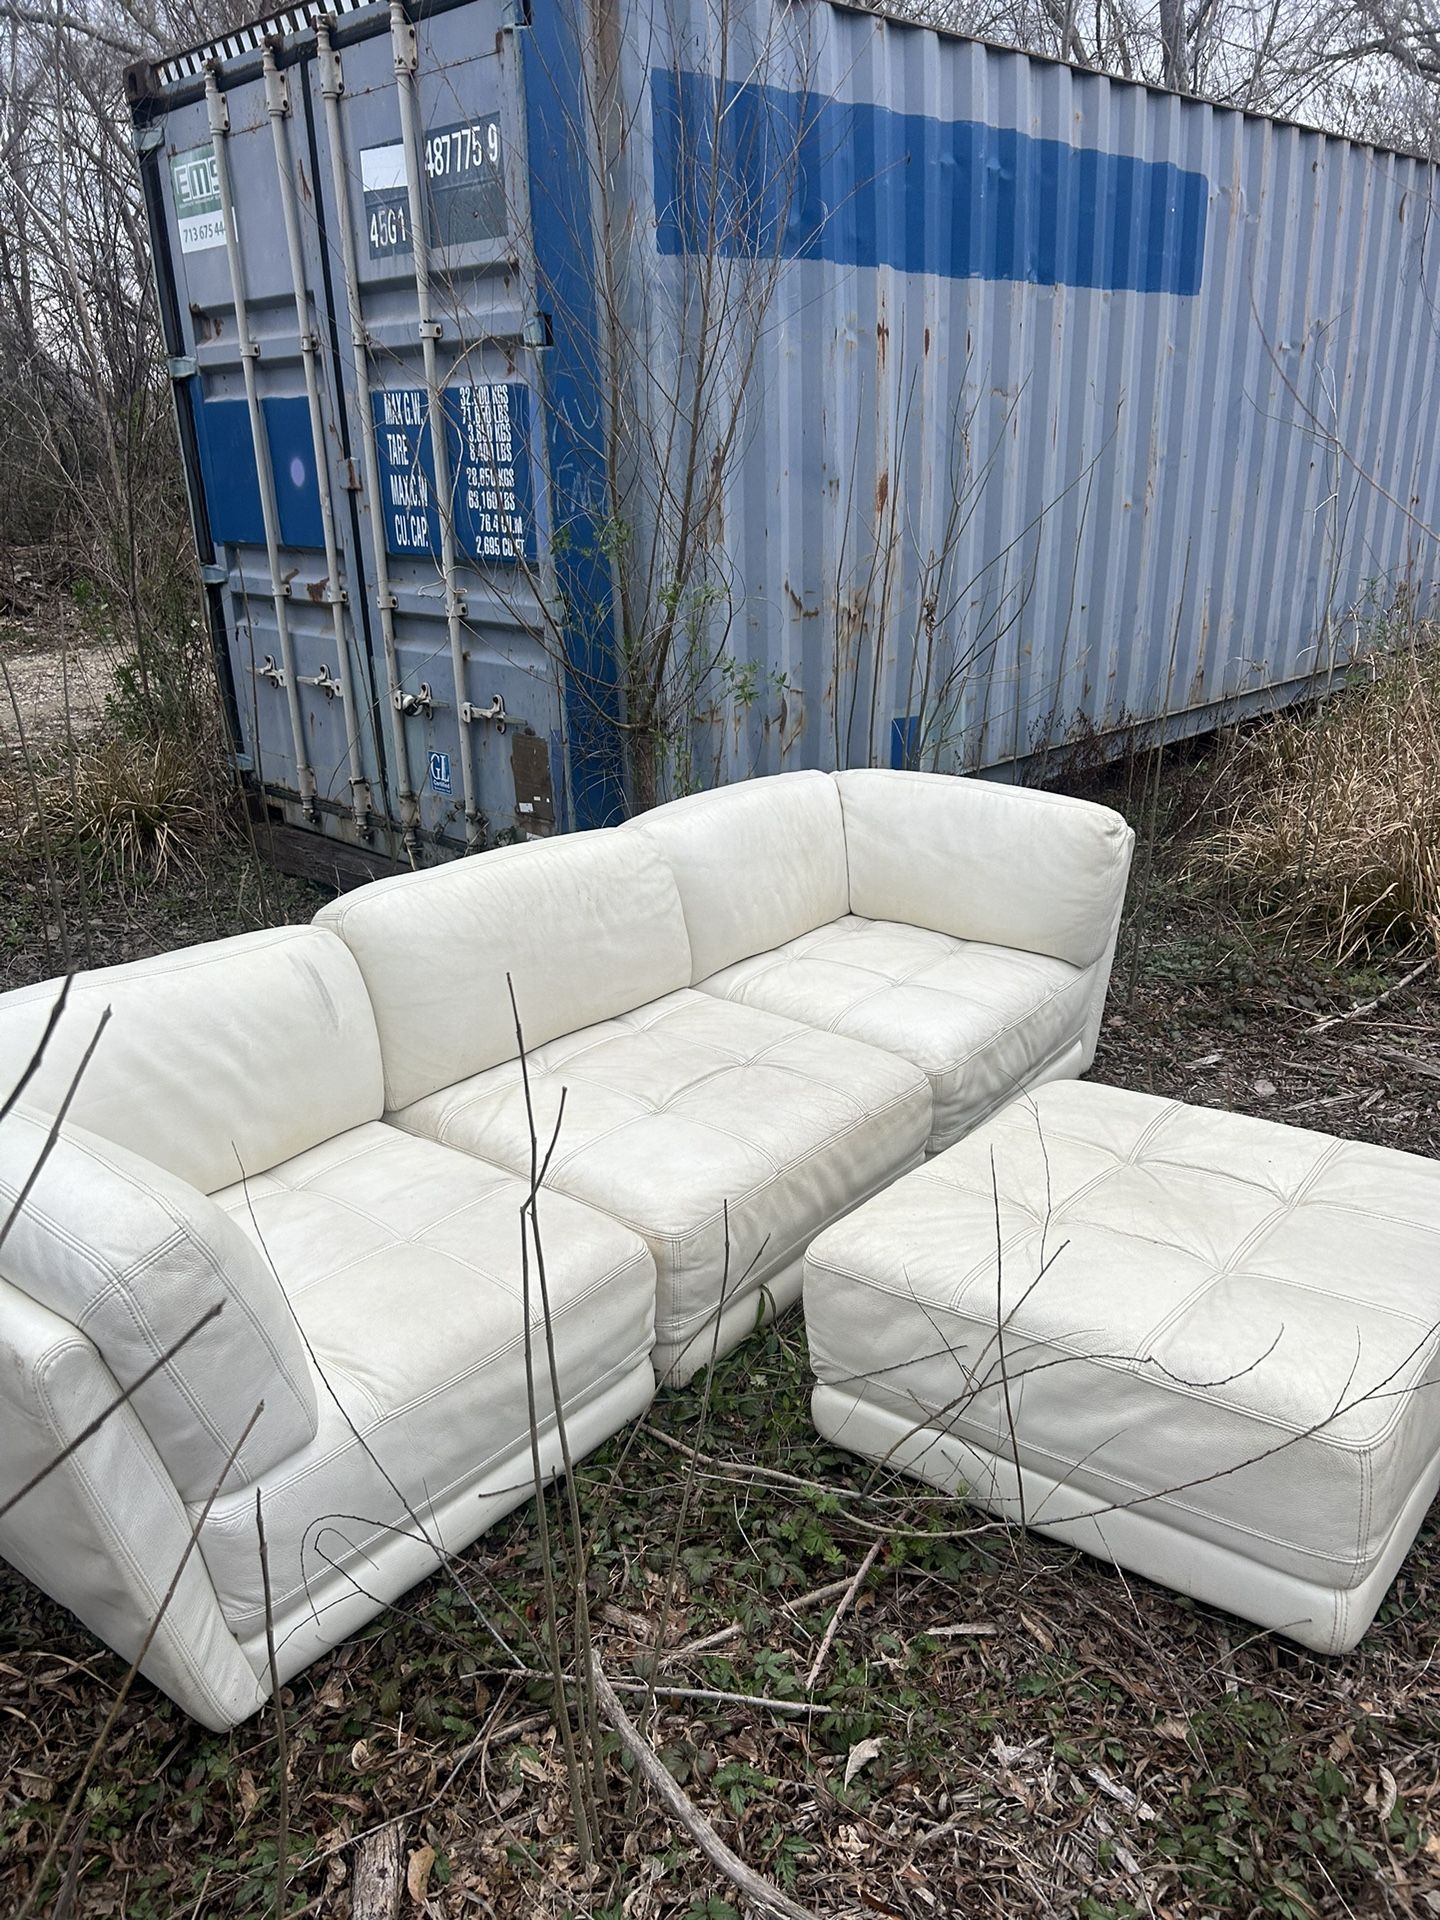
{"type": "Point", "coordinates": [759, 1007]}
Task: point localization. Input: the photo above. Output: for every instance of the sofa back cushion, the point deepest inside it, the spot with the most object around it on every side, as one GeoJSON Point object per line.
{"type": "Point", "coordinates": [1006, 865]}
{"type": "Point", "coordinates": [134, 1257]}
{"type": "Point", "coordinates": [757, 864]}
{"type": "Point", "coordinates": [217, 1061]}
{"type": "Point", "coordinates": [587, 926]}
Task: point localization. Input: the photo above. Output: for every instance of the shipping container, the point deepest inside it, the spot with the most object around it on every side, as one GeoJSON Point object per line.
{"type": "Point", "coordinates": [587, 399]}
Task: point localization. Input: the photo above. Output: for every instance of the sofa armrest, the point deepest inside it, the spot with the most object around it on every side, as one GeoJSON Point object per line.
{"type": "Point", "coordinates": [133, 1257]}
{"type": "Point", "coordinates": [1010, 866]}
{"type": "Point", "coordinates": [105, 1532]}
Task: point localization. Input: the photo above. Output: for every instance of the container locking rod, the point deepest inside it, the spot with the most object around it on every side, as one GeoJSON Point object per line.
{"type": "Point", "coordinates": [277, 105]}
{"type": "Point", "coordinates": [332, 86]}
{"type": "Point", "coordinates": [219, 135]}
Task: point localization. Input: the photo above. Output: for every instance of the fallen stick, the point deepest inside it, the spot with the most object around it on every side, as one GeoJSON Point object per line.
{"type": "Point", "coordinates": [1339, 1019]}
{"type": "Point", "coordinates": [845, 1599]}
{"type": "Point", "coordinates": [755, 1888]}
{"type": "Point", "coordinates": [377, 1878]}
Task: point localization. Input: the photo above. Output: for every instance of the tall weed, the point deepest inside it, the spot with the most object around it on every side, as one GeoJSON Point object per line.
{"type": "Point", "coordinates": [1326, 821]}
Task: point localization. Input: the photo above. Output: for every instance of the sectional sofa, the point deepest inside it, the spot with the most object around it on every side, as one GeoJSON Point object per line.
{"type": "Point", "coordinates": [742, 1015]}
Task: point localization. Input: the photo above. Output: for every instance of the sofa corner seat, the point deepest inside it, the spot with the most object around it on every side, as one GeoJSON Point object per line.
{"type": "Point", "coordinates": [225, 1146]}
{"type": "Point", "coordinates": [964, 925]}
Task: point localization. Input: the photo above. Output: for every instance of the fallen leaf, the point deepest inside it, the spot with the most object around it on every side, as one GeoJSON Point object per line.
{"type": "Point", "coordinates": [860, 1755]}
{"type": "Point", "coordinates": [417, 1874]}
{"type": "Point", "coordinates": [1390, 1793]}
{"type": "Point", "coordinates": [1265, 1089]}
{"type": "Point", "coordinates": [1009, 1756]}
{"type": "Point", "coordinates": [1039, 1634]}
{"type": "Point", "coordinates": [1121, 1794]}
{"type": "Point", "coordinates": [35, 1786]}
{"type": "Point", "coordinates": [248, 1794]}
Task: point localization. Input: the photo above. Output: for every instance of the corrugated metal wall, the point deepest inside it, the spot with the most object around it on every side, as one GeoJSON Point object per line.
{"type": "Point", "coordinates": [1075, 404]}
{"type": "Point", "coordinates": [1021, 404]}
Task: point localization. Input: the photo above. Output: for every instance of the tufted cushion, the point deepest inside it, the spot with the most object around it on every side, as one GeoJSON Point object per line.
{"type": "Point", "coordinates": [1222, 1326]}
{"type": "Point", "coordinates": [215, 1059]}
{"type": "Point", "coordinates": [756, 863]}
{"type": "Point", "coordinates": [402, 1261]}
{"type": "Point", "coordinates": [1007, 866]}
{"type": "Point", "coordinates": [980, 1021]}
{"type": "Point", "coordinates": [587, 926]}
{"type": "Point", "coordinates": [132, 1257]}
{"type": "Point", "coordinates": [681, 1107]}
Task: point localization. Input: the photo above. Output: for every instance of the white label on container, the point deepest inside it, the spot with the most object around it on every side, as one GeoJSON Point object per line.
{"type": "Point", "coordinates": [382, 168]}
{"type": "Point", "coordinates": [195, 185]}
{"type": "Point", "coordinates": [387, 201]}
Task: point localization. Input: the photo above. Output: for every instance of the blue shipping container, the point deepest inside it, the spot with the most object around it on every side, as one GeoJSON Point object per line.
{"type": "Point", "coordinates": [584, 399]}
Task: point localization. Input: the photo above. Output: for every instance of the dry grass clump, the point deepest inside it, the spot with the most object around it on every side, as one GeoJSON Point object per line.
{"type": "Point", "coordinates": [1327, 820]}
{"type": "Point", "coordinates": [141, 808]}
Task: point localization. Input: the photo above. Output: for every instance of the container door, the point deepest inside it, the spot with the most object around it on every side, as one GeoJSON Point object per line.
{"type": "Point", "coordinates": [463, 608]}
{"type": "Point", "coordinates": [273, 452]}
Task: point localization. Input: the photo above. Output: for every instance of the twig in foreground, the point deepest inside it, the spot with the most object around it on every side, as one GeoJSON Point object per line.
{"type": "Point", "coordinates": [845, 1600]}
{"type": "Point", "coordinates": [760, 1892]}
{"type": "Point", "coordinates": [1368, 1006]}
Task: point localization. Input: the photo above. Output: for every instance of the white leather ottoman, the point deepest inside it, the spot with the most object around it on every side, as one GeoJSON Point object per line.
{"type": "Point", "coordinates": [1202, 1346]}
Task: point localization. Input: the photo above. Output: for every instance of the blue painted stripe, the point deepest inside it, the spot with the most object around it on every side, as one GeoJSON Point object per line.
{"type": "Point", "coordinates": [805, 178]}
{"type": "Point", "coordinates": [561, 225]}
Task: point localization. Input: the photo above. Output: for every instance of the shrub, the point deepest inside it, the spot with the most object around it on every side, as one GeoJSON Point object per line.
{"type": "Point", "coordinates": [1326, 821]}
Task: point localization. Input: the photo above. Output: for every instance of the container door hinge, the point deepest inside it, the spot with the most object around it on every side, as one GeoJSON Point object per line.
{"type": "Point", "coordinates": [402, 36]}
{"type": "Point", "coordinates": [147, 139]}
{"type": "Point", "coordinates": [538, 332]}
{"type": "Point", "coordinates": [183, 366]}
{"type": "Point", "coordinates": [212, 575]}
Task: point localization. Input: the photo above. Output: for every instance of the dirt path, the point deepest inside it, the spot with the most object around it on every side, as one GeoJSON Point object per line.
{"type": "Point", "coordinates": [59, 686]}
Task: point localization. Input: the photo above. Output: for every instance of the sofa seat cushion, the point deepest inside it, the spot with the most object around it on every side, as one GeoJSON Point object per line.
{"type": "Point", "coordinates": [402, 1263]}
{"type": "Point", "coordinates": [1211, 1351]}
{"type": "Point", "coordinates": [981, 1021]}
{"type": "Point", "coordinates": [683, 1109]}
